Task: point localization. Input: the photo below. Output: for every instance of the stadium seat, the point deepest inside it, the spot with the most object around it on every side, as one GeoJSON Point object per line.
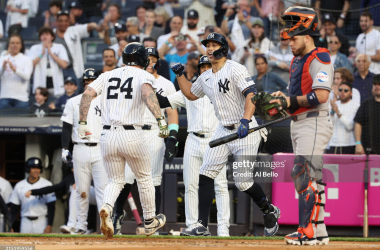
{"type": "Point", "coordinates": [36, 21]}
{"type": "Point", "coordinates": [42, 7]}
{"type": "Point", "coordinates": [29, 33]}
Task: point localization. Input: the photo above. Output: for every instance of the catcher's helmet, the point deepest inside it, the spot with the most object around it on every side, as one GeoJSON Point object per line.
{"type": "Point", "coordinates": [298, 21]}
{"type": "Point", "coordinates": [202, 60]}
{"type": "Point", "coordinates": [151, 51]}
{"type": "Point", "coordinates": [89, 73]}
{"type": "Point", "coordinates": [219, 38]}
{"type": "Point", "coordinates": [33, 162]}
{"type": "Point", "coordinates": [134, 54]}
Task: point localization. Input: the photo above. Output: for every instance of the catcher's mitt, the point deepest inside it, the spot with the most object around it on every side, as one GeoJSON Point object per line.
{"type": "Point", "coordinates": [269, 111]}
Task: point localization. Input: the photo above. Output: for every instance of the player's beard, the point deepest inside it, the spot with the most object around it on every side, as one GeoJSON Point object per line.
{"type": "Point", "coordinates": [191, 25]}
{"type": "Point", "coordinates": [299, 51]}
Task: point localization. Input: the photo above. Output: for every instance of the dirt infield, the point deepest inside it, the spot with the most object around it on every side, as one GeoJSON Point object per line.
{"type": "Point", "coordinates": [60, 243]}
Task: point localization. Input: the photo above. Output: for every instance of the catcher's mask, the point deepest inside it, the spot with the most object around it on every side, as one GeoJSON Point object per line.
{"type": "Point", "coordinates": [298, 21]}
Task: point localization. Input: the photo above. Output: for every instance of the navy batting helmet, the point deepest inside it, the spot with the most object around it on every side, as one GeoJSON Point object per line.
{"type": "Point", "coordinates": [219, 38]}
{"type": "Point", "coordinates": [202, 60]}
{"type": "Point", "coordinates": [89, 73]}
{"type": "Point", "coordinates": [299, 21]}
{"type": "Point", "coordinates": [33, 162]}
{"type": "Point", "coordinates": [151, 51]}
{"type": "Point", "coordinates": [134, 54]}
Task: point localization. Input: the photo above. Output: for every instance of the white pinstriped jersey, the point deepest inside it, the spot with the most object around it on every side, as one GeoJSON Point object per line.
{"type": "Point", "coordinates": [94, 118]}
{"type": "Point", "coordinates": [34, 205]}
{"type": "Point", "coordinates": [164, 87]}
{"type": "Point", "coordinates": [200, 113]}
{"type": "Point", "coordinates": [122, 102]}
{"type": "Point", "coordinates": [224, 88]}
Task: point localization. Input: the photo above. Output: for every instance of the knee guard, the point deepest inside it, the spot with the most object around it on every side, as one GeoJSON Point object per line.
{"type": "Point", "coordinates": [307, 195]}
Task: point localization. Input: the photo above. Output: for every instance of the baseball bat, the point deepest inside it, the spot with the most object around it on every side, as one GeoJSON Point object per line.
{"type": "Point", "coordinates": [133, 207]}
{"type": "Point", "coordinates": [234, 136]}
{"type": "Point", "coordinates": [365, 214]}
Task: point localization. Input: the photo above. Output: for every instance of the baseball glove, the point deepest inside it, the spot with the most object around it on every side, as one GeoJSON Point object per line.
{"type": "Point", "coordinates": [269, 111]}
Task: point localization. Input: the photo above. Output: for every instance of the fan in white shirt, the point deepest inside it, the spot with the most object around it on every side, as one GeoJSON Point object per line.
{"type": "Point", "coordinates": [15, 72]}
{"type": "Point", "coordinates": [17, 13]}
{"type": "Point", "coordinates": [343, 111]}
{"type": "Point", "coordinates": [49, 60]}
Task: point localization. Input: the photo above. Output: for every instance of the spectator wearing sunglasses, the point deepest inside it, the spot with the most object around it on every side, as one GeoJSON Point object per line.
{"type": "Point", "coordinates": [343, 113]}
{"type": "Point", "coordinates": [338, 59]}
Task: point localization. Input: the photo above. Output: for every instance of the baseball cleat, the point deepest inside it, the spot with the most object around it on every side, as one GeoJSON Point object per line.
{"type": "Point", "coordinates": [323, 240]}
{"type": "Point", "coordinates": [197, 230]}
{"type": "Point", "coordinates": [223, 231]}
{"type": "Point", "coordinates": [298, 238]}
{"type": "Point", "coordinates": [105, 221]}
{"type": "Point", "coordinates": [158, 222]}
{"type": "Point", "coordinates": [66, 229]}
{"type": "Point", "coordinates": [117, 221]}
{"type": "Point", "coordinates": [78, 232]}
{"type": "Point", "coordinates": [271, 221]}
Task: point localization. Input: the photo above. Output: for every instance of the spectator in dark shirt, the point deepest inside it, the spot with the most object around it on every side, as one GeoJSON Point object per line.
{"type": "Point", "coordinates": [76, 13]}
{"type": "Point", "coordinates": [367, 120]}
{"type": "Point", "coordinates": [338, 59]}
{"type": "Point", "coordinates": [70, 88]}
{"type": "Point", "coordinates": [109, 60]}
{"type": "Point", "coordinates": [41, 106]}
{"type": "Point", "coordinates": [340, 8]}
{"type": "Point", "coordinates": [164, 66]}
{"type": "Point", "coordinates": [363, 78]}
{"type": "Point", "coordinates": [267, 81]}
{"type": "Point", "coordinates": [328, 30]}
{"type": "Point", "coordinates": [51, 14]}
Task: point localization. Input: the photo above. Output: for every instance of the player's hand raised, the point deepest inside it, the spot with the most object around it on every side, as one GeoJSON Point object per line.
{"type": "Point", "coordinates": [178, 69]}
{"type": "Point", "coordinates": [164, 129]}
{"type": "Point", "coordinates": [84, 131]}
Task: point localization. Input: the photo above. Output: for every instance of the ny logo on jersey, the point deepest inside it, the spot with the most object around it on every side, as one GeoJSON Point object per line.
{"type": "Point", "coordinates": [224, 85]}
{"type": "Point", "coordinates": [18, 6]}
{"type": "Point", "coordinates": [160, 91]}
{"type": "Point", "coordinates": [74, 38]}
{"type": "Point", "coordinates": [97, 109]}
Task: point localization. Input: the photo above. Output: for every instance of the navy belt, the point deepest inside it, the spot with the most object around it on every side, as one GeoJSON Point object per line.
{"type": "Point", "coordinates": [230, 127]}
{"type": "Point", "coordinates": [126, 127]}
{"type": "Point", "coordinates": [308, 115]}
{"type": "Point", "coordinates": [199, 135]}
{"type": "Point", "coordinates": [31, 218]}
{"type": "Point", "coordinates": [90, 144]}
{"type": "Point", "coordinates": [147, 127]}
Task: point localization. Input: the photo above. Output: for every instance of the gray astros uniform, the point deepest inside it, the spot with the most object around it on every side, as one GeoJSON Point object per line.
{"type": "Point", "coordinates": [224, 88]}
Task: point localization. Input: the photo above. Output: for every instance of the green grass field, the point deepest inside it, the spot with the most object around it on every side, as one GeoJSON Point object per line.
{"type": "Point", "coordinates": [178, 237]}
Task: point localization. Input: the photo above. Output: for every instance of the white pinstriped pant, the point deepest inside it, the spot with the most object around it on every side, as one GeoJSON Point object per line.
{"type": "Point", "coordinates": [88, 165]}
{"type": "Point", "coordinates": [243, 149]}
{"type": "Point", "coordinates": [33, 226]}
{"type": "Point", "coordinates": [73, 205]}
{"type": "Point", "coordinates": [121, 146]}
{"type": "Point", "coordinates": [193, 158]}
{"type": "Point", "coordinates": [157, 151]}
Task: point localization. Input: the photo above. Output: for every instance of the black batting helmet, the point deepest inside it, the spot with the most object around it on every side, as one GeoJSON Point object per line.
{"type": "Point", "coordinates": [33, 162]}
{"type": "Point", "coordinates": [298, 21]}
{"type": "Point", "coordinates": [202, 60]}
{"type": "Point", "coordinates": [89, 73]}
{"type": "Point", "coordinates": [151, 51]}
{"type": "Point", "coordinates": [134, 54]}
{"type": "Point", "coordinates": [219, 38]}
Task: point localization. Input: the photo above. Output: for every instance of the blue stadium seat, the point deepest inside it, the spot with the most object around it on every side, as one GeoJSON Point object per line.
{"type": "Point", "coordinates": [36, 21]}
{"type": "Point", "coordinates": [96, 66]}
{"type": "Point", "coordinates": [95, 19]}
{"type": "Point", "coordinates": [43, 6]}
{"type": "Point", "coordinates": [179, 12]}
{"type": "Point", "coordinates": [29, 33]}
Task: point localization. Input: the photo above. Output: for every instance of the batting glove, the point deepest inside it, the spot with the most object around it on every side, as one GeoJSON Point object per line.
{"type": "Point", "coordinates": [171, 148]}
{"type": "Point", "coordinates": [66, 155]}
{"type": "Point", "coordinates": [84, 131]}
{"type": "Point", "coordinates": [243, 128]}
{"type": "Point", "coordinates": [178, 69]}
{"type": "Point", "coordinates": [164, 129]}
{"type": "Point", "coordinates": [264, 133]}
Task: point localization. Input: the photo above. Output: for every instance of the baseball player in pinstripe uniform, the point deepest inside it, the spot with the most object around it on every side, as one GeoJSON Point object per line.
{"type": "Point", "coordinates": [125, 91]}
{"type": "Point", "coordinates": [202, 123]}
{"type": "Point", "coordinates": [230, 88]}
{"type": "Point", "coordinates": [87, 159]}
{"type": "Point", "coordinates": [156, 144]}
{"type": "Point", "coordinates": [311, 78]}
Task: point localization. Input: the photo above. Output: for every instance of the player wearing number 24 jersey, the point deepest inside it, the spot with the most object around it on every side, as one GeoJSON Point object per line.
{"type": "Point", "coordinates": [126, 92]}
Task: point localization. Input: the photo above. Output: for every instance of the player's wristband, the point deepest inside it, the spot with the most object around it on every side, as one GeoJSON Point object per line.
{"type": "Point", "coordinates": [294, 102]}
{"type": "Point", "coordinates": [82, 122]}
{"type": "Point", "coordinates": [226, 18]}
{"type": "Point", "coordinates": [40, 56]}
{"type": "Point", "coordinates": [358, 142]}
{"type": "Point", "coordinates": [312, 99]}
{"type": "Point", "coordinates": [169, 44]}
{"type": "Point", "coordinates": [173, 130]}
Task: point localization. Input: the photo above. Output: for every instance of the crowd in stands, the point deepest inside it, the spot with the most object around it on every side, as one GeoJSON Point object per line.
{"type": "Point", "coordinates": [52, 68]}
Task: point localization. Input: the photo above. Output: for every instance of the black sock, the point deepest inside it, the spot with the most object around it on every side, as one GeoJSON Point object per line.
{"type": "Point", "coordinates": [147, 222]}
{"type": "Point", "coordinates": [206, 195]}
{"type": "Point", "coordinates": [158, 198]}
{"type": "Point", "coordinates": [259, 197]}
{"type": "Point", "coordinates": [123, 196]}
